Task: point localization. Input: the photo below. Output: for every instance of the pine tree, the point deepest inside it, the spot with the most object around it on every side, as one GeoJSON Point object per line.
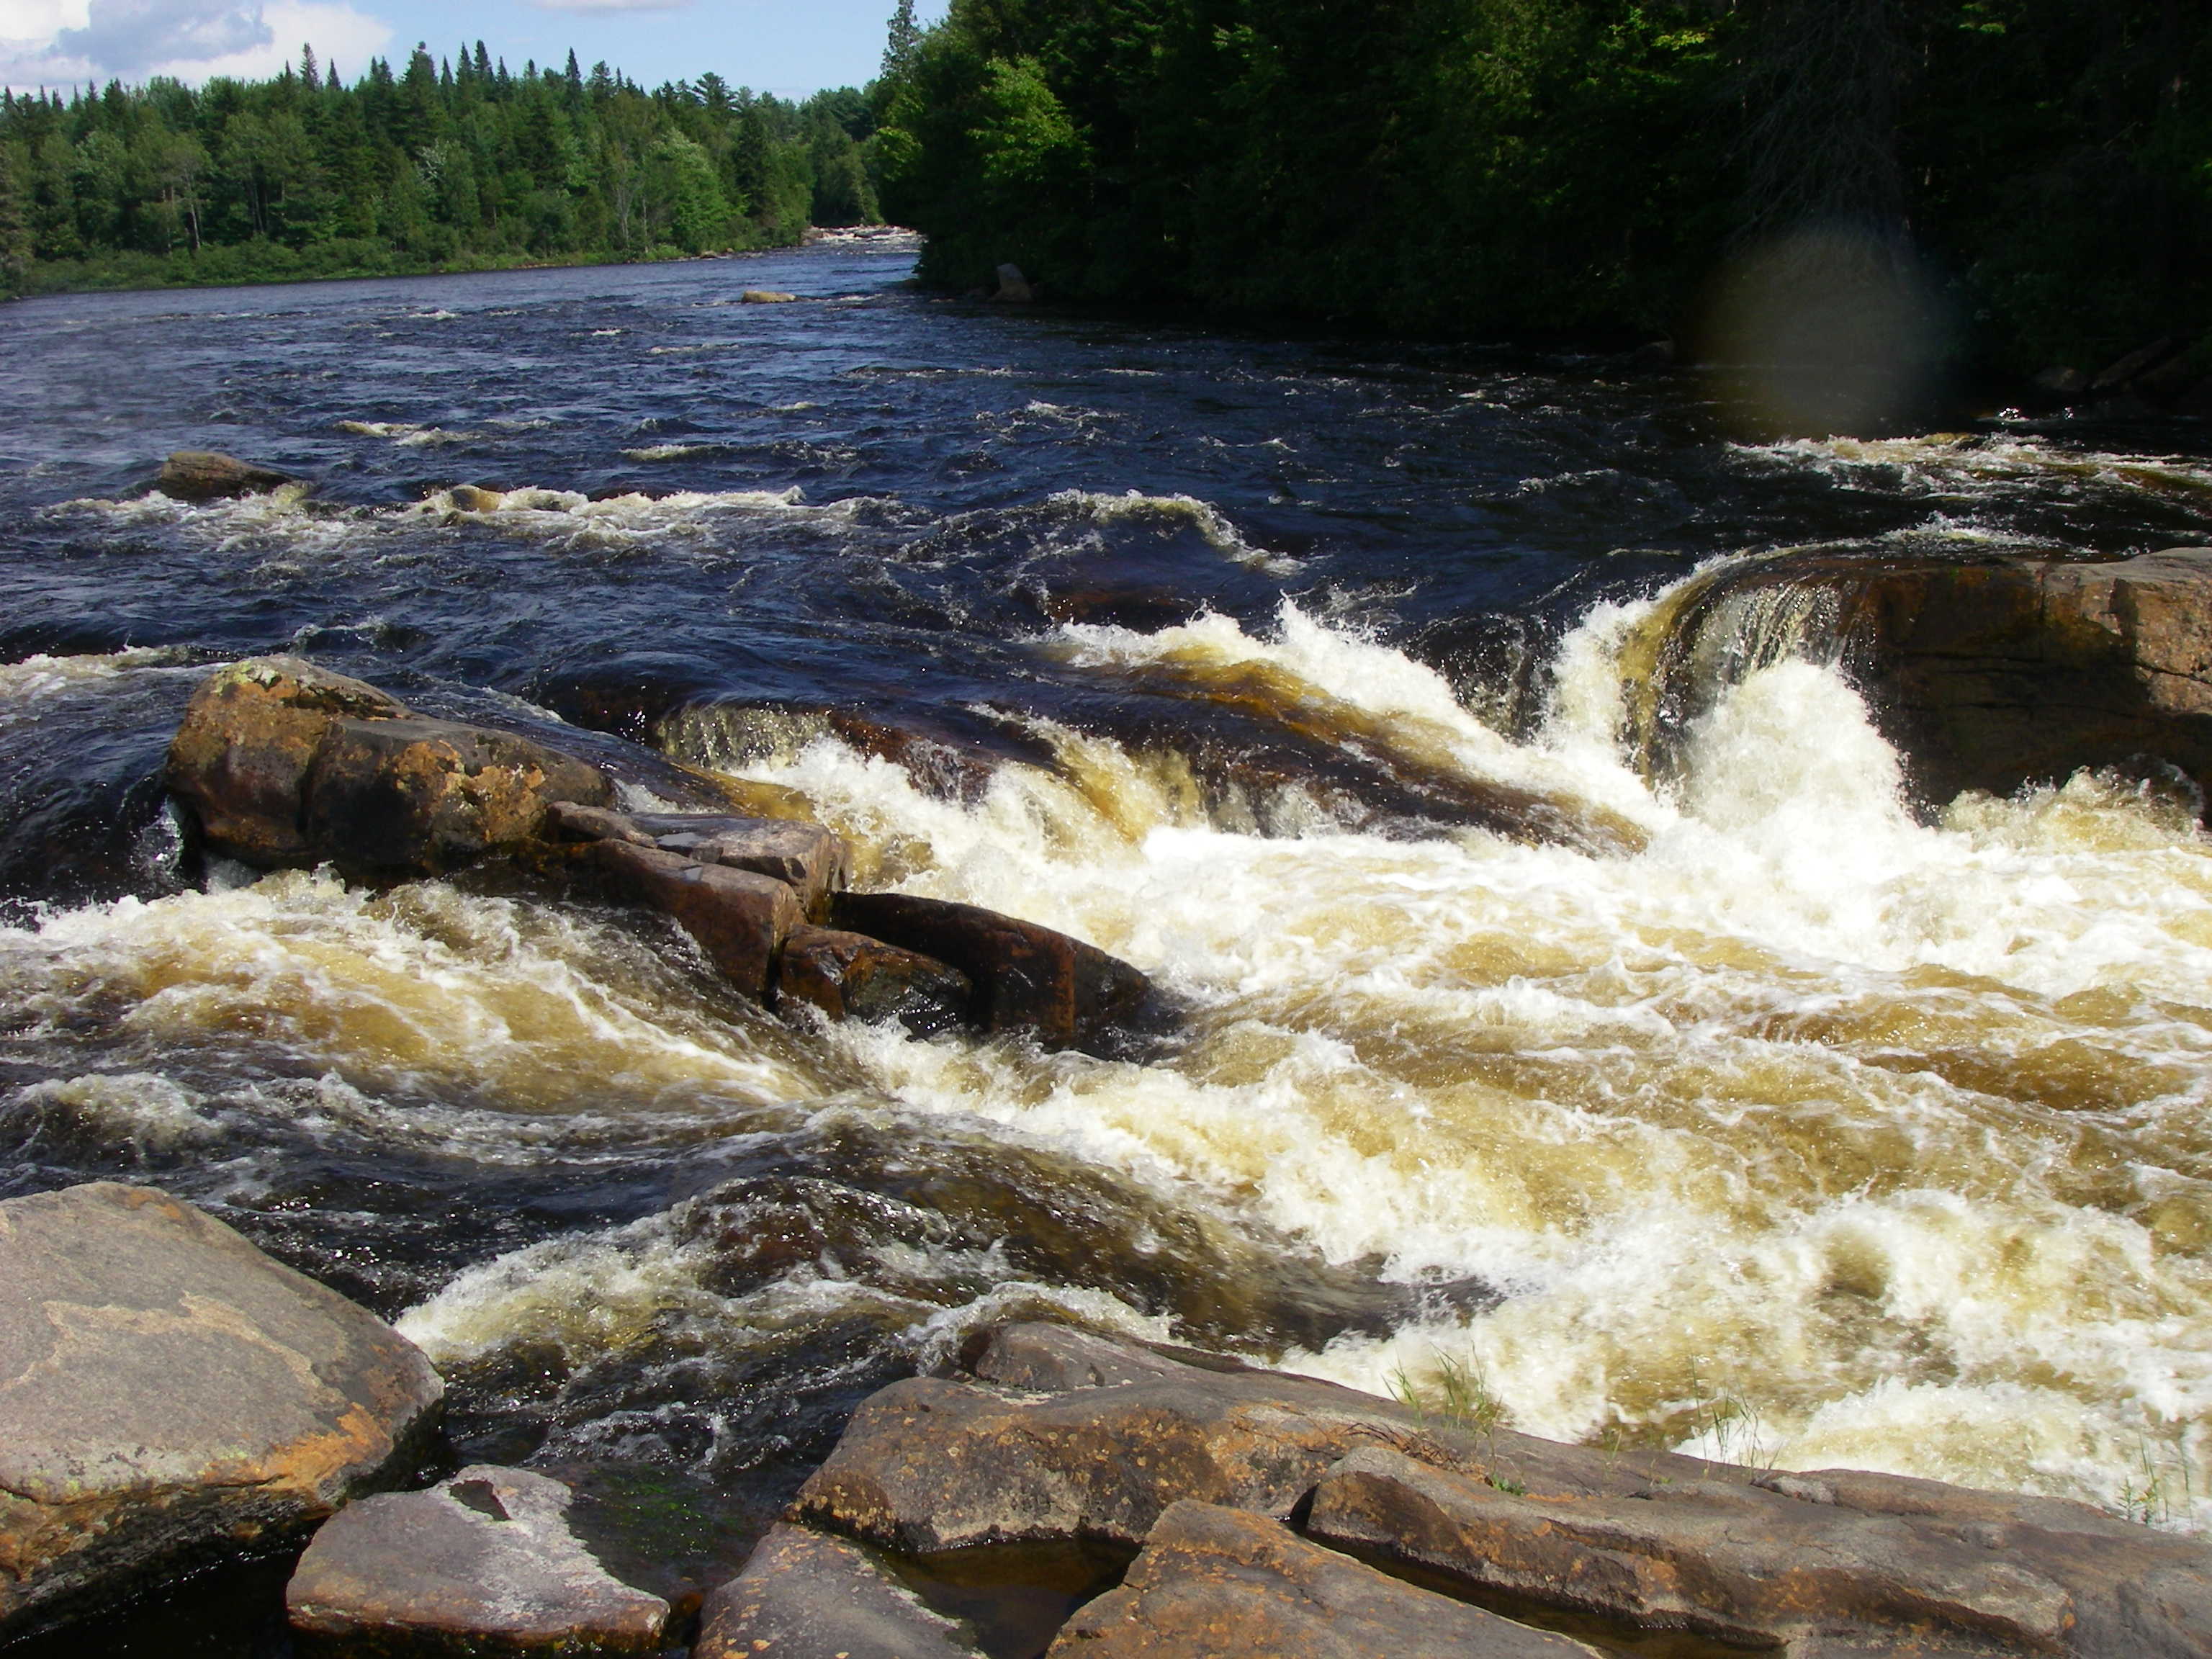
{"type": "Point", "coordinates": [905, 37]}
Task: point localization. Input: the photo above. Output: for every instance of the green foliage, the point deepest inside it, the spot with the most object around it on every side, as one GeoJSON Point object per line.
{"type": "Point", "coordinates": [1458, 166]}
{"type": "Point", "coordinates": [14, 229]}
{"type": "Point", "coordinates": [457, 163]}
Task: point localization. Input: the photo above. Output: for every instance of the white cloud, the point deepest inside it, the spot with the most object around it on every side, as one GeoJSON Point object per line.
{"type": "Point", "coordinates": [96, 40]}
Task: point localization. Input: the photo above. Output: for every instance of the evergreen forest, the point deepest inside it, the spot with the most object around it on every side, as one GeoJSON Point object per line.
{"type": "Point", "coordinates": [1451, 167]}
{"type": "Point", "coordinates": [1489, 167]}
{"type": "Point", "coordinates": [443, 163]}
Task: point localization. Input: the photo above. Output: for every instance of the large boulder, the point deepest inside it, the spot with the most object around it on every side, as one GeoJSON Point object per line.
{"type": "Point", "coordinates": [1028, 978]}
{"type": "Point", "coordinates": [1219, 1584]}
{"type": "Point", "coordinates": [283, 763]}
{"type": "Point", "coordinates": [170, 1395]}
{"type": "Point", "coordinates": [208, 475]}
{"type": "Point", "coordinates": [425, 796]}
{"type": "Point", "coordinates": [1887, 1563]}
{"type": "Point", "coordinates": [483, 1564]}
{"type": "Point", "coordinates": [1986, 672]}
{"type": "Point", "coordinates": [240, 757]}
{"type": "Point", "coordinates": [805, 1597]}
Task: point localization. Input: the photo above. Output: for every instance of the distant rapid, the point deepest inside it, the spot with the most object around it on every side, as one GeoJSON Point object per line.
{"type": "Point", "coordinates": [1740, 1104]}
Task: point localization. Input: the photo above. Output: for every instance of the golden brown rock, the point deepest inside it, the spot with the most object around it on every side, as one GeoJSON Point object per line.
{"type": "Point", "coordinates": [429, 796]}
{"type": "Point", "coordinates": [282, 764]}
{"type": "Point", "coordinates": [240, 757]}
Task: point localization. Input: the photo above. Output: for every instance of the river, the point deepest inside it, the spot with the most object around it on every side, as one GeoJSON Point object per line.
{"type": "Point", "coordinates": [1758, 1111]}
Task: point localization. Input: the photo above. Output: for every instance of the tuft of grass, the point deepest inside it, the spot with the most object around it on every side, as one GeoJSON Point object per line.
{"type": "Point", "coordinates": [1458, 1391]}
{"type": "Point", "coordinates": [2166, 1488]}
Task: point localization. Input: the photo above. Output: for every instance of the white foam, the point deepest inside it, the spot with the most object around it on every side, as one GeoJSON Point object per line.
{"type": "Point", "coordinates": [1809, 1129]}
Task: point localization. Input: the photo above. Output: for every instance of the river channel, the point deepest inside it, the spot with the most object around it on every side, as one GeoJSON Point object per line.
{"type": "Point", "coordinates": [1759, 1110]}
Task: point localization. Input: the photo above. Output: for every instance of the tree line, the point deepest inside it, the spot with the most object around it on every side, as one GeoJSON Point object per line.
{"type": "Point", "coordinates": [1458, 166]}
{"type": "Point", "coordinates": [440, 163]}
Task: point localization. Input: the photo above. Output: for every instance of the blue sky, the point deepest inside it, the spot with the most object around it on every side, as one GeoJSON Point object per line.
{"type": "Point", "coordinates": [790, 48]}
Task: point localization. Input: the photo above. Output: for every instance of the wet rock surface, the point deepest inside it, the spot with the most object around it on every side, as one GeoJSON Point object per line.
{"type": "Point", "coordinates": [1986, 672]}
{"type": "Point", "coordinates": [812, 860]}
{"type": "Point", "coordinates": [284, 763]}
{"type": "Point", "coordinates": [170, 1396]}
{"type": "Point", "coordinates": [1255, 1538]}
{"type": "Point", "coordinates": [852, 976]}
{"type": "Point", "coordinates": [1027, 978]}
{"type": "Point", "coordinates": [739, 919]}
{"type": "Point", "coordinates": [804, 1595]}
{"type": "Point", "coordinates": [281, 763]}
{"type": "Point", "coordinates": [207, 474]}
{"type": "Point", "coordinates": [482, 1565]}
{"type": "Point", "coordinates": [1214, 1583]}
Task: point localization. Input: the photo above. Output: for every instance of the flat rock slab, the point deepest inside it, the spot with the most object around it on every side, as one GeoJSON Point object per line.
{"type": "Point", "coordinates": [483, 1564]}
{"type": "Point", "coordinates": [805, 1597]}
{"type": "Point", "coordinates": [169, 1395]}
{"type": "Point", "coordinates": [1220, 1583]}
{"type": "Point", "coordinates": [1082, 1438]}
{"type": "Point", "coordinates": [1840, 1557]}
{"type": "Point", "coordinates": [1069, 1436]}
{"type": "Point", "coordinates": [811, 859]}
{"type": "Point", "coordinates": [1027, 977]}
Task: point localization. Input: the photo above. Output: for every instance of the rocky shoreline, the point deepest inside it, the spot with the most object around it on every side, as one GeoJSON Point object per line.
{"type": "Point", "coordinates": [171, 1395]}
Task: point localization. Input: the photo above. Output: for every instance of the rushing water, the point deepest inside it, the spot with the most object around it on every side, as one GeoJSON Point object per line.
{"type": "Point", "coordinates": [1762, 1112]}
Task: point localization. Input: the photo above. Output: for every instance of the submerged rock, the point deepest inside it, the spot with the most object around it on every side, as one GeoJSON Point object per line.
{"type": "Point", "coordinates": [1027, 977]}
{"type": "Point", "coordinates": [283, 763]}
{"type": "Point", "coordinates": [482, 1564]}
{"type": "Point", "coordinates": [1219, 1584]}
{"type": "Point", "coordinates": [1987, 673]}
{"type": "Point", "coordinates": [170, 1396]}
{"type": "Point", "coordinates": [851, 976]}
{"type": "Point", "coordinates": [766, 296]}
{"type": "Point", "coordinates": [207, 474]}
{"type": "Point", "coordinates": [805, 1597]}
